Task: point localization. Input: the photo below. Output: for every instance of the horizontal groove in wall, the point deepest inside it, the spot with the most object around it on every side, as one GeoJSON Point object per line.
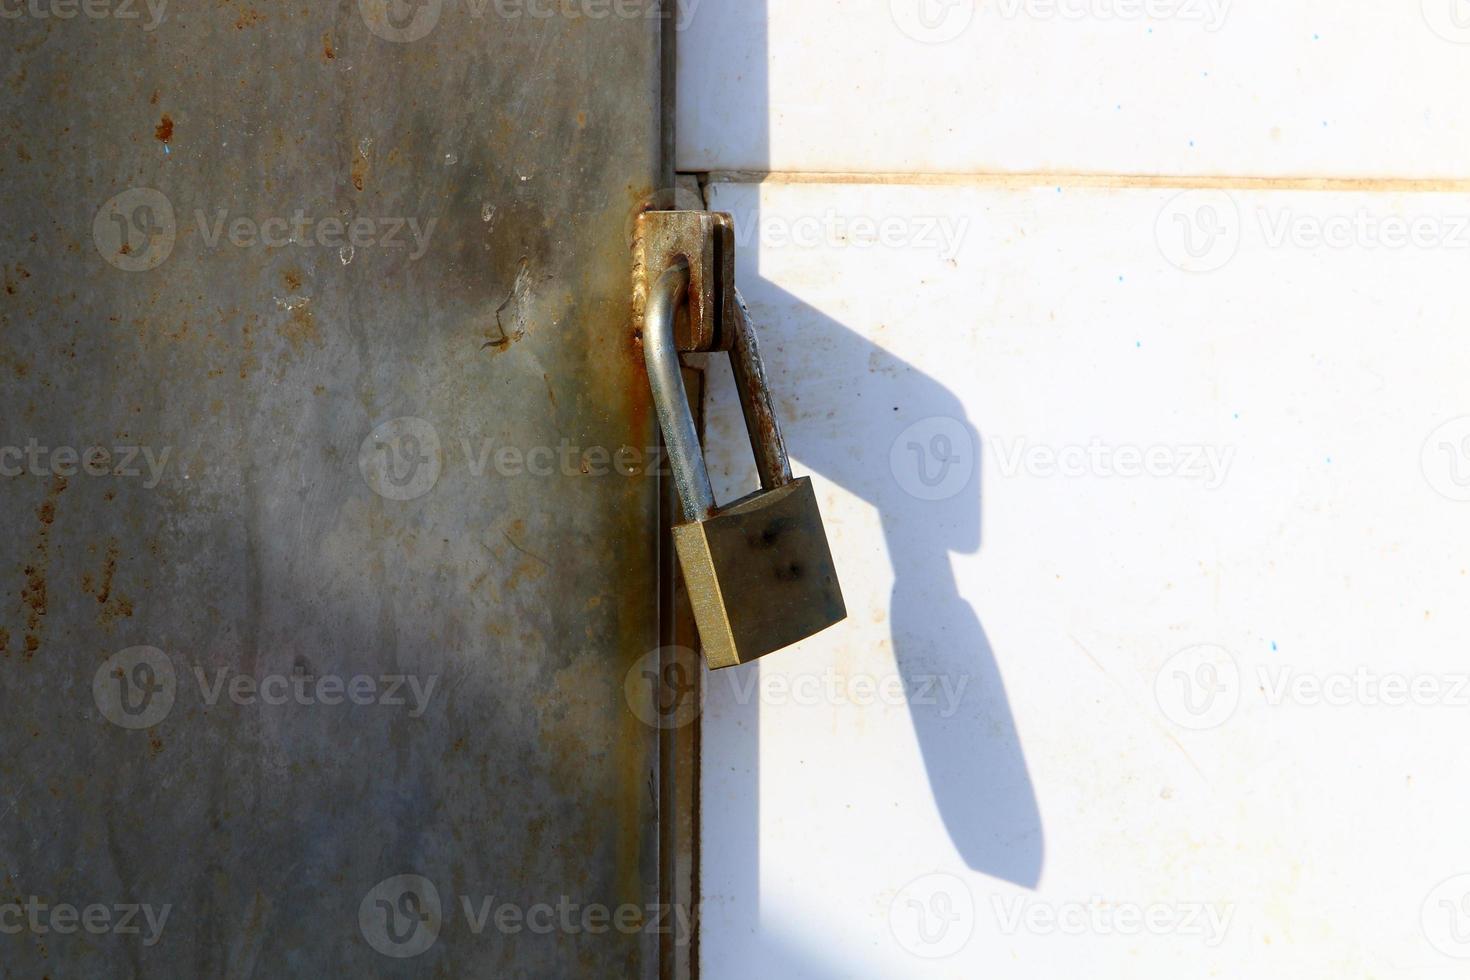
{"type": "Point", "coordinates": [1394, 185]}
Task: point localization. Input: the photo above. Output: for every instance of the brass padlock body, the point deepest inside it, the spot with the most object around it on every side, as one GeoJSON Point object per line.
{"type": "Point", "coordinates": [760, 574]}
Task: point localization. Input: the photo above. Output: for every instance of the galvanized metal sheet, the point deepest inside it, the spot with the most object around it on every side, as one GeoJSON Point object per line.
{"type": "Point", "coordinates": [324, 564]}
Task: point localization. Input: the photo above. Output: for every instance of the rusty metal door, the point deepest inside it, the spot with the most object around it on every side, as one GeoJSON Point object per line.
{"type": "Point", "coordinates": [330, 524]}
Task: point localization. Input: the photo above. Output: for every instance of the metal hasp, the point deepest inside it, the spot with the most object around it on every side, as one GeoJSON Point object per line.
{"type": "Point", "coordinates": [759, 571]}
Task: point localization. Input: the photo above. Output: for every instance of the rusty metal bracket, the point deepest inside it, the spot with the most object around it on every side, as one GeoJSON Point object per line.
{"type": "Point", "coordinates": [709, 315]}
{"type": "Point", "coordinates": [705, 242]}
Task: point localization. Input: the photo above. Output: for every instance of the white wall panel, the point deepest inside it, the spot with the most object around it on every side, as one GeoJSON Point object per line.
{"type": "Point", "coordinates": [1182, 472]}
{"type": "Point", "coordinates": [1204, 87]}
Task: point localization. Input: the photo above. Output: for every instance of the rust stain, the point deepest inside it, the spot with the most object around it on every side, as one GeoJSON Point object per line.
{"type": "Point", "coordinates": [34, 594]}
{"type": "Point", "coordinates": [359, 170]}
{"type": "Point", "coordinates": [328, 52]}
{"type": "Point", "coordinates": [249, 18]}
{"type": "Point", "coordinates": [103, 591]}
{"type": "Point", "coordinates": [164, 131]}
{"type": "Point", "coordinates": [153, 99]}
{"type": "Point", "coordinates": [299, 328]}
{"type": "Point", "coordinates": [4, 641]}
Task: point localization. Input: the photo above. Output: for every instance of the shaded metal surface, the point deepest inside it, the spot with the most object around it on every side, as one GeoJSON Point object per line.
{"type": "Point", "coordinates": [303, 486]}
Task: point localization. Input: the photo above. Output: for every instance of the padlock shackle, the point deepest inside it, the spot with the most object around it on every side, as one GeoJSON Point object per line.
{"type": "Point", "coordinates": [766, 442]}
{"type": "Point", "coordinates": [670, 400]}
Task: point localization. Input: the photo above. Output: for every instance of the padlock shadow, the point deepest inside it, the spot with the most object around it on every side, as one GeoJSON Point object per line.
{"type": "Point", "coordinates": [861, 418]}
{"type": "Point", "coordinates": [836, 391]}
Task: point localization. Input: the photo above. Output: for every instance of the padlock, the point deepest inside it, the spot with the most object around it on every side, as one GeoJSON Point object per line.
{"type": "Point", "coordinates": [759, 571]}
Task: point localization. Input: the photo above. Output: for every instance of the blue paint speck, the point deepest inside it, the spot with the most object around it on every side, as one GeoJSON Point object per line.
{"type": "Point", "coordinates": [1273, 646]}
